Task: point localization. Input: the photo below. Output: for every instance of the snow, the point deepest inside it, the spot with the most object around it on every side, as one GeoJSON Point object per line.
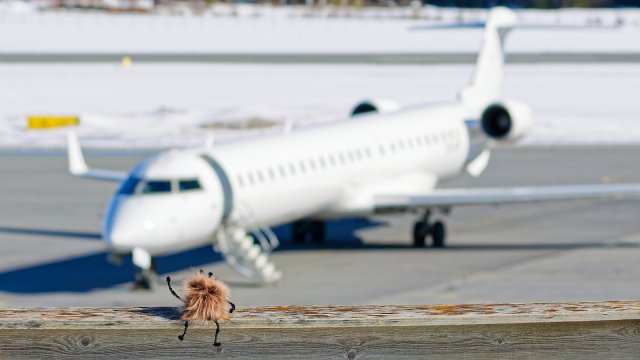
{"type": "Point", "coordinates": [267, 29]}
{"type": "Point", "coordinates": [171, 105]}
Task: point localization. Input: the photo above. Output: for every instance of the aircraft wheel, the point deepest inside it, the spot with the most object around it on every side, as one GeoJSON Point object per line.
{"type": "Point", "coordinates": [420, 234]}
{"type": "Point", "coordinates": [318, 231]}
{"type": "Point", "coordinates": [299, 231]}
{"type": "Point", "coordinates": [145, 279]}
{"type": "Point", "coordinates": [438, 233]}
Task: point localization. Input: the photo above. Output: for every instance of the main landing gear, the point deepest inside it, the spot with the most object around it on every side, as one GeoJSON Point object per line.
{"type": "Point", "coordinates": [423, 228]}
{"type": "Point", "coordinates": [313, 230]}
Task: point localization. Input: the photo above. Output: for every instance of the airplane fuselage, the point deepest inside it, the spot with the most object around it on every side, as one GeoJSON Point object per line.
{"type": "Point", "coordinates": [336, 169]}
{"type": "Point", "coordinates": [323, 171]}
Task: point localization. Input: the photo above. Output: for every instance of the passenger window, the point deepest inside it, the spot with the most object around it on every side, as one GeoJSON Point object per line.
{"type": "Point", "coordinates": [271, 174]}
{"type": "Point", "coordinates": [312, 164]}
{"type": "Point", "coordinates": [292, 168]}
{"type": "Point", "coordinates": [332, 160]}
{"type": "Point", "coordinates": [283, 173]}
{"type": "Point", "coordinates": [358, 154]}
{"type": "Point", "coordinates": [410, 142]}
{"type": "Point", "coordinates": [418, 140]}
{"type": "Point", "coordinates": [321, 161]}
{"type": "Point", "coordinates": [250, 176]}
{"type": "Point", "coordinates": [189, 185]}
{"type": "Point", "coordinates": [260, 177]}
{"type": "Point", "coordinates": [367, 152]}
{"type": "Point", "coordinates": [381, 149]}
{"type": "Point", "coordinates": [303, 168]}
{"type": "Point", "coordinates": [240, 180]}
{"type": "Point", "coordinates": [156, 186]}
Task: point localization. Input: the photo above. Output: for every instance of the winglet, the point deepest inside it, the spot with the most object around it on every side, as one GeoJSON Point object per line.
{"type": "Point", "coordinates": [77, 164]}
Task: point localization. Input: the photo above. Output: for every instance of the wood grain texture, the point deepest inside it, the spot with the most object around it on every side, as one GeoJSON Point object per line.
{"type": "Point", "coordinates": [572, 330]}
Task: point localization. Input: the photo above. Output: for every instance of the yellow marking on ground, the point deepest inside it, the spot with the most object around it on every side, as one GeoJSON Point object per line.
{"type": "Point", "coordinates": [37, 122]}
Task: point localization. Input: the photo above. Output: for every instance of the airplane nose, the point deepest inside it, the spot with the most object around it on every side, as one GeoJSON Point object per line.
{"type": "Point", "coordinates": [131, 223]}
{"type": "Point", "coordinates": [119, 238]}
{"type": "Point", "coordinates": [121, 229]}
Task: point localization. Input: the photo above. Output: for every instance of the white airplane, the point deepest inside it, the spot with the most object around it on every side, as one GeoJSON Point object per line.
{"type": "Point", "coordinates": [383, 159]}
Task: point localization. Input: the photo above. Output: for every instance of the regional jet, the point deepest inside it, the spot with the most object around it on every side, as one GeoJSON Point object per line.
{"type": "Point", "coordinates": [384, 158]}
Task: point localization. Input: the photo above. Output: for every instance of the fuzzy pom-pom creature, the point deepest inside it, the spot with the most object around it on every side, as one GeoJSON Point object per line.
{"type": "Point", "coordinates": [206, 299]}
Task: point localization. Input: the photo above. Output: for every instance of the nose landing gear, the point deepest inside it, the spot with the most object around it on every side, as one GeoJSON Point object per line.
{"type": "Point", "coordinates": [146, 274]}
{"type": "Point", "coordinates": [422, 229]}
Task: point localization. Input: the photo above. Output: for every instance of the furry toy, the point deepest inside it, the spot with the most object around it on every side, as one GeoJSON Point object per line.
{"type": "Point", "coordinates": [206, 299]}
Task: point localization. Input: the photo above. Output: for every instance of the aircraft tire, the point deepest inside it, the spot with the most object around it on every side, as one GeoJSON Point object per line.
{"type": "Point", "coordinates": [419, 234]}
{"type": "Point", "coordinates": [318, 231]}
{"type": "Point", "coordinates": [438, 233]}
{"type": "Point", "coordinates": [299, 231]}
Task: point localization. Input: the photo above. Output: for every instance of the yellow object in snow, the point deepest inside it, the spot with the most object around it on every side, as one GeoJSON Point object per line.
{"type": "Point", "coordinates": [126, 62]}
{"type": "Point", "coordinates": [50, 121]}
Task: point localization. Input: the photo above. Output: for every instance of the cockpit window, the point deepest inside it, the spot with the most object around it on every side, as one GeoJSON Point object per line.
{"type": "Point", "coordinates": [189, 185]}
{"type": "Point", "coordinates": [128, 187]}
{"type": "Point", "coordinates": [156, 186]}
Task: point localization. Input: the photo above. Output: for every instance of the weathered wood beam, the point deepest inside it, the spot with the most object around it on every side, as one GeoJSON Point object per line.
{"type": "Point", "coordinates": [568, 330]}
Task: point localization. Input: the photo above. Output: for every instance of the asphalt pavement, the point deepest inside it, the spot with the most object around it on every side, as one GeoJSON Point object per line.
{"type": "Point", "coordinates": [51, 252]}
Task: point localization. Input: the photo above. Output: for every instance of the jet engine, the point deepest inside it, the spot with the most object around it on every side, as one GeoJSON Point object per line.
{"type": "Point", "coordinates": [375, 106]}
{"type": "Point", "coordinates": [506, 121]}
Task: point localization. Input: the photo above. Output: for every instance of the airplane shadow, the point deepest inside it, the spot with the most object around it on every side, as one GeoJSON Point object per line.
{"type": "Point", "coordinates": [93, 271]}
{"type": "Point", "coordinates": [47, 232]}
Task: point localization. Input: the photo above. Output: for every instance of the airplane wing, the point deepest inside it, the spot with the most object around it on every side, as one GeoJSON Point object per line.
{"type": "Point", "coordinates": [506, 195]}
{"type": "Point", "coordinates": [78, 166]}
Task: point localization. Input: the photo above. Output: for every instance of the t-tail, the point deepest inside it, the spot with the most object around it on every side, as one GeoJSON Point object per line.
{"type": "Point", "coordinates": [486, 82]}
{"type": "Point", "coordinates": [490, 115]}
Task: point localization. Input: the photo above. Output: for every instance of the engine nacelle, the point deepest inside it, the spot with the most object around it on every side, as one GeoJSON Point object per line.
{"type": "Point", "coordinates": [506, 121]}
{"type": "Point", "coordinates": [375, 106]}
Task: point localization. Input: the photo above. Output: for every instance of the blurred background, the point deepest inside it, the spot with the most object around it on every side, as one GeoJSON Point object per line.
{"type": "Point", "coordinates": [136, 77]}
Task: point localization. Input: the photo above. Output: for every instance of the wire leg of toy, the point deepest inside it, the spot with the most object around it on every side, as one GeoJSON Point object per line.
{"type": "Point", "coordinates": [215, 341]}
{"type": "Point", "coordinates": [171, 289]}
{"type": "Point", "coordinates": [186, 325]}
{"type": "Point", "coordinates": [233, 307]}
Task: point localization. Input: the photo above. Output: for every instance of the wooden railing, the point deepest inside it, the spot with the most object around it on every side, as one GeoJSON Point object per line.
{"type": "Point", "coordinates": [604, 330]}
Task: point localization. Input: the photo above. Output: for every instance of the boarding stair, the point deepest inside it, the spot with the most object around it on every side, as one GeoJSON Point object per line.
{"type": "Point", "coordinates": [248, 253]}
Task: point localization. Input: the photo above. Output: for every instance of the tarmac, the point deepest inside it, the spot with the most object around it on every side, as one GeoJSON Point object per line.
{"type": "Point", "coordinates": [51, 253]}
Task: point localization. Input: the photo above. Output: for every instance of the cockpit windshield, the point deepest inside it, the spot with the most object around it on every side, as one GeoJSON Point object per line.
{"type": "Point", "coordinates": [135, 186]}
{"type": "Point", "coordinates": [128, 187]}
{"type": "Point", "coordinates": [156, 186]}
{"type": "Point", "coordinates": [189, 185]}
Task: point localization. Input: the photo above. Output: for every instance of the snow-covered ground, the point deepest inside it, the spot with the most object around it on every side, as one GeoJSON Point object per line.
{"type": "Point", "coordinates": [267, 29]}
{"type": "Point", "coordinates": [151, 106]}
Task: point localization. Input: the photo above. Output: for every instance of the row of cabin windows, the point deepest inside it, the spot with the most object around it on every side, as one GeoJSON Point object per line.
{"type": "Point", "coordinates": [342, 158]}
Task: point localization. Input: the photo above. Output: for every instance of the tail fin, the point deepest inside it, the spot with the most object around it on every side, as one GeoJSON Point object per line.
{"type": "Point", "coordinates": [486, 83]}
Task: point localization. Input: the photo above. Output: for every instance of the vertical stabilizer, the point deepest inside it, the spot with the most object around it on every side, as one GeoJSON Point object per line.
{"type": "Point", "coordinates": [486, 83]}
